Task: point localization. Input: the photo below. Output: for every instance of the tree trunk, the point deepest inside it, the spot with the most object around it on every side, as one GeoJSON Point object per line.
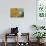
{"type": "Point", "coordinates": [38, 42]}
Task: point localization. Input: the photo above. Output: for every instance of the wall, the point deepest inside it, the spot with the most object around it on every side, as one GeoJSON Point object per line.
{"type": "Point", "coordinates": [29, 16]}
{"type": "Point", "coordinates": [23, 23]}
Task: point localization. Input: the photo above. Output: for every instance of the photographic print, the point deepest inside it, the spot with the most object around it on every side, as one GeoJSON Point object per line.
{"type": "Point", "coordinates": [17, 12]}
